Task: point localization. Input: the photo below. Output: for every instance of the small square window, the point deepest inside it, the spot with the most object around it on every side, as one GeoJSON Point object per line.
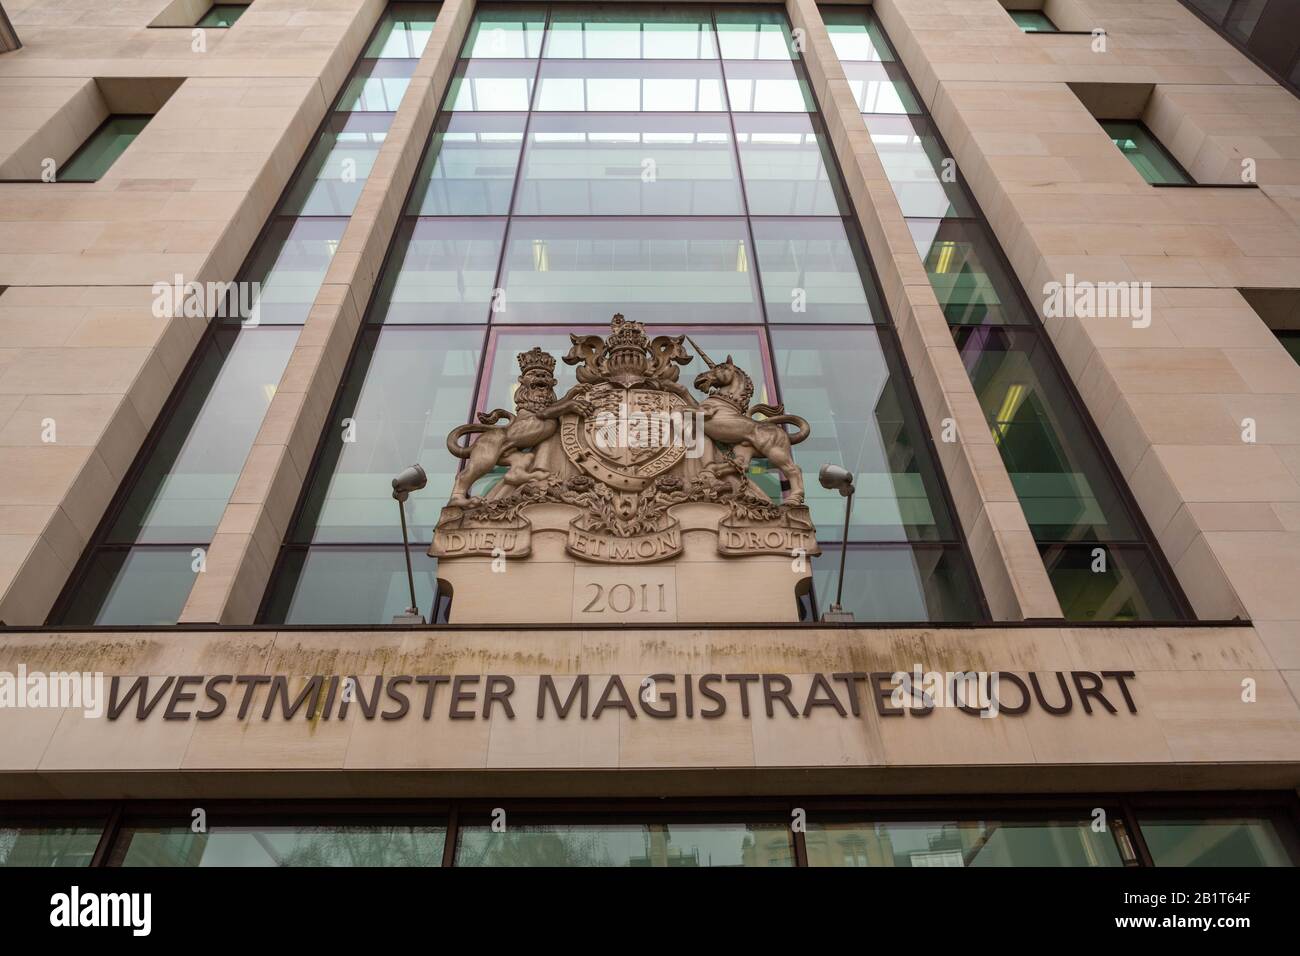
{"type": "Point", "coordinates": [1033, 21]}
{"type": "Point", "coordinates": [106, 144]}
{"type": "Point", "coordinates": [1145, 152]}
{"type": "Point", "coordinates": [222, 15]}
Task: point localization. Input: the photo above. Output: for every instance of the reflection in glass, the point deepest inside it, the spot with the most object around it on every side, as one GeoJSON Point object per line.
{"type": "Point", "coordinates": [340, 586]}
{"type": "Point", "coordinates": [583, 271]}
{"type": "Point", "coordinates": [587, 164]}
{"type": "Point", "coordinates": [896, 583]}
{"type": "Point", "coordinates": [812, 271]}
{"type": "Point", "coordinates": [222, 15]}
{"type": "Point", "coordinates": [608, 31]}
{"type": "Point", "coordinates": [630, 86]}
{"type": "Point", "coordinates": [440, 270]}
{"type": "Point", "coordinates": [1033, 21]}
{"type": "Point", "coordinates": [132, 587]}
{"type": "Point", "coordinates": [101, 151]}
{"type": "Point", "coordinates": [336, 169]}
{"type": "Point", "coordinates": [1144, 151]}
{"type": "Point", "coordinates": [856, 35]}
{"type": "Point", "coordinates": [1062, 485]}
{"type": "Point", "coordinates": [289, 262]}
{"type": "Point", "coordinates": [913, 161]}
{"type": "Point", "coordinates": [787, 166]}
{"type": "Point", "coordinates": [627, 844]}
{"type": "Point", "coordinates": [1114, 583]}
{"type": "Point", "coordinates": [881, 88]}
{"type": "Point", "coordinates": [502, 31]}
{"type": "Point", "coordinates": [966, 273]}
{"type": "Point", "coordinates": [181, 493]}
{"type": "Point", "coordinates": [767, 86]}
{"type": "Point", "coordinates": [469, 167]}
{"type": "Point", "coordinates": [376, 86]}
{"type": "Point", "coordinates": [846, 383]}
{"type": "Point", "coordinates": [403, 32]}
{"type": "Point", "coordinates": [329, 845]}
{"type": "Point", "coordinates": [961, 843]}
{"type": "Point", "coordinates": [1217, 841]}
{"type": "Point", "coordinates": [491, 85]}
{"type": "Point", "coordinates": [404, 392]}
{"type": "Point", "coordinates": [749, 34]}
{"type": "Point", "coordinates": [71, 843]}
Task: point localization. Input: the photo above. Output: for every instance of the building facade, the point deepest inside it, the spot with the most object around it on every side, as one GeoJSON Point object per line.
{"type": "Point", "coordinates": [1028, 273]}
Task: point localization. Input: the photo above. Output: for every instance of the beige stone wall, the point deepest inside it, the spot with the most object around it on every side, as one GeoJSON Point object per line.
{"type": "Point", "coordinates": [1170, 399]}
{"type": "Point", "coordinates": [1192, 728]}
{"type": "Point", "coordinates": [78, 341]}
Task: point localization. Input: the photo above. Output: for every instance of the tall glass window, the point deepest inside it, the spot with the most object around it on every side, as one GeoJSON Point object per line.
{"type": "Point", "coordinates": [141, 564]}
{"type": "Point", "coordinates": [669, 163]}
{"type": "Point", "coordinates": [1097, 552]}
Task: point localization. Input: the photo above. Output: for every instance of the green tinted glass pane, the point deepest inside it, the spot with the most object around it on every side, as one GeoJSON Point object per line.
{"type": "Point", "coordinates": [1064, 489]}
{"type": "Point", "coordinates": [405, 390]}
{"type": "Point", "coordinates": [881, 88]}
{"type": "Point", "coordinates": [1216, 841]}
{"type": "Point", "coordinates": [967, 274]}
{"type": "Point", "coordinates": [787, 165]}
{"type": "Point", "coordinates": [288, 266]}
{"type": "Point", "coordinates": [441, 270]}
{"type": "Point", "coordinates": [285, 846]}
{"type": "Point", "coordinates": [1144, 152]}
{"type": "Point", "coordinates": [576, 271]}
{"type": "Point", "coordinates": [501, 31]}
{"type": "Point", "coordinates": [856, 35]}
{"type": "Point", "coordinates": [1110, 583]}
{"type": "Point", "coordinates": [961, 843]}
{"type": "Point", "coordinates": [748, 34]}
{"type": "Point", "coordinates": [43, 844]}
{"type": "Point", "coordinates": [133, 587]}
{"type": "Point", "coordinates": [336, 169]}
{"type": "Point", "coordinates": [630, 86]}
{"type": "Point", "coordinates": [846, 383]}
{"type": "Point", "coordinates": [589, 164]}
{"type": "Point", "coordinates": [767, 86]}
{"type": "Point", "coordinates": [627, 844]}
{"type": "Point", "coordinates": [812, 271]}
{"type": "Point", "coordinates": [404, 31]}
{"type": "Point", "coordinates": [182, 492]}
{"type": "Point", "coordinates": [350, 586]}
{"type": "Point", "coordinates": [469, 168]}
{"type": "Point", "coordinates": [222, 15]}
{"type": "Point", "coordinates": [376, 86]}
{"type": "Point", "coordinates": [103, 148]}
{"type": "Point", "coordinates": [1291, 342]}
{"type": "Point", "coordinates": [896, 583]}
{"type": "Point", "coordinates": [1033, 21]}
{"type": "Point", "coordinates": [491, 86]}
{"type": "Point", "coordinates": [605, 31]}
{"type": "Point", "coordinates": [914, 163]}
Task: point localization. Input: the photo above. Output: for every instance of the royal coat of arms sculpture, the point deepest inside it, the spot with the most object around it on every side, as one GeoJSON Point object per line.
{"type": "Point", "coordinates": [629, 467]}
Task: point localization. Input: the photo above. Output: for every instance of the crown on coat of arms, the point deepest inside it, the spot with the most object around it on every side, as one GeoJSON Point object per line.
{"type": "Point", "coordinates": [535, 358]}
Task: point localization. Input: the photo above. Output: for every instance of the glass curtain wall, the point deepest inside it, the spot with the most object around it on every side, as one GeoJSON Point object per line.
{"type": "Point", "coordinates": [665, 162]}
{"type": "Point", "coordinates": [1098, 553]}
{"type": "Point", "coordinates": [141, 565]}
{"type": "Point", "coordinates": [1259, 831]}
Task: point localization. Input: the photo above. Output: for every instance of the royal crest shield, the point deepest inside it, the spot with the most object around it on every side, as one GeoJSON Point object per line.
{"type": "Point", "coordinates": [632, 435]}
